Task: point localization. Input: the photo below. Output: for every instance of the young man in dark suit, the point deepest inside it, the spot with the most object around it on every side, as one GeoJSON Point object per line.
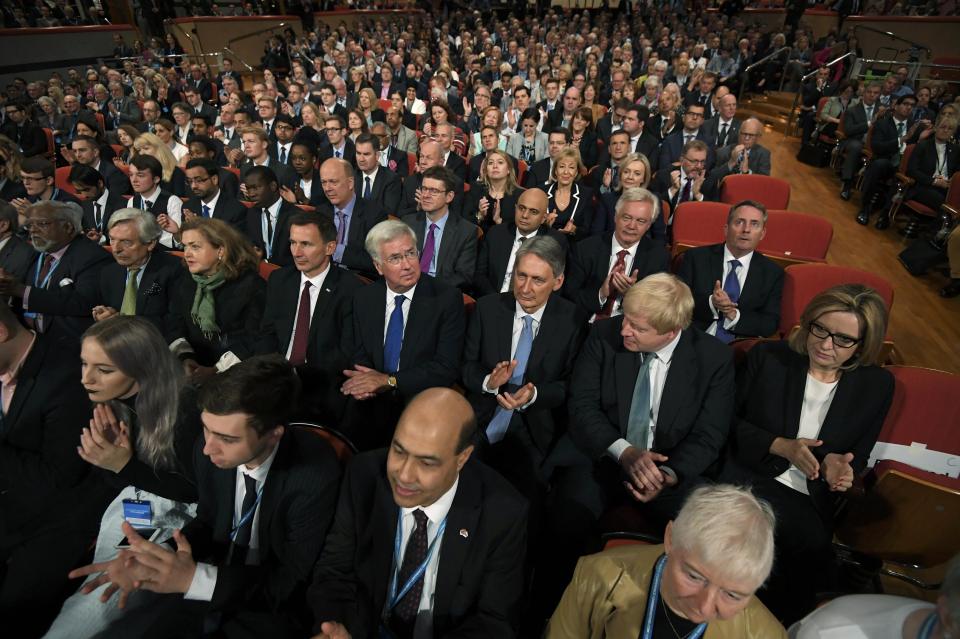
{"type": "Point", "coordinates": [603, 267]}
{"type": "Point", "coordinates": [16, 256]}
{"type": "Point", "coordinates": [209, 200]}
{"type": "Point", "coordinates": [378, 186]}
{"type": "Point", "coordinates": [671, 148]}
{"type": "Point", "coordinates": [256, 151]}
{"type": "Point", "coordinates": [736, 290]}
{"type": "Point", "coordinates": [856, 122]}
{"type": "Point", "coordinates": [141, 279]}
{"type": "Point", "coordinates": [430, 155]}
{"type": "Point", "coordinates": [268, 220]}
{"type": "Point", "coordinates": [267, 495]}
{"type": "Point", "coordinates": [337, 145]}
{"type": "Point", "coordinates": [408, 335]}
{"type": "Point", "coordinates": [538, 175]}
{"type": "Point", "coordinates": [85, 150]}
{"type": "Point", "coordinates": [424, 495]}
{"type": "Point", "coordinates": [447, 243]}
{"type": "Point", "coordinates": [308, 316]}
{"type": "Point", "coordinates": [98, 203]}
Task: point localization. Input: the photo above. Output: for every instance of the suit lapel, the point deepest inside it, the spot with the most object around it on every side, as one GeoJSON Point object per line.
{"type": "Point", "coordinates": [540, 346]}
{"type": "Point", "coordinates": [422, 296]}
{"type": "Point", "coordinates": [447, 244]}
{"type": "Point", "coordinates": [324, 298]}
{"type": "Point", "coordinates": [225, 482]}
{"type": "Point", "coordinates": [626, 366]}
{"type": "Point", "coordinates": [504, 328]}
{"type": "Point", "coordinates": [793, 395]}
{"type": "Point", "coordinates": [681, 379]}
{"type": "Point", "coordinates": [461, 522]}
{"type": "Point", "coordinates": [272, 489]}
{"type": "Point", "coordinates": [383, 525]}
{"type": "Point", "coordinates": [376, 328]}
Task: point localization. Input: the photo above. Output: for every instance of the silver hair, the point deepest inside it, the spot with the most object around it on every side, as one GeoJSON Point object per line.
{"type": "Point", "coordinates": [729, 529]}
{"type": "Point", "coordinates": [660, 64]}
{"type": "Point", "coordinates": [69, 212]}
{"type": "Point", "coordinates": [386, 231]}
{"type": "Point", "coordinates": [639, 194]}
{"type": "Point", "coordinates": [652, 81]}
{"type": "Point", "coordinates": [548, 250]}
{"type": "Point", "coordinates": [147, 228]}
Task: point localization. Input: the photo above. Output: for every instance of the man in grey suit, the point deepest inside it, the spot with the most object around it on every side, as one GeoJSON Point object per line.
{"type": "Point", "coordinates": [856, 123]}
{"type": "Point", "coordinates": [16, 256]}
{"type": "Point", "coordinates": [447, 243]}
{"type": "Point", "coordinates": [746, 156]}
{"type": "Point", "coordinates": [400, 136]}
{"type": "Point", "coordinates": [121, 109]}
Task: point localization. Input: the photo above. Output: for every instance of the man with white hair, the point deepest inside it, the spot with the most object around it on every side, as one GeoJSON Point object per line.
{"type": "Point", "coordinates": [715, 555]}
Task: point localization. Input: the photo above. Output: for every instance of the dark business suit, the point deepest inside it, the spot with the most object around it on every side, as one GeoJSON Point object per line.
{"type": "Point", "coordinates": [29, 137]}
{"type": "Point", "coordinates": [325, 152]}
{"type": "Point", "coordinates": [228, 208]}
{"type": "Point", "coordinates": [855, 127]}
{"type": "Point", "coordinates": [885, 144]}
{"type": "Point", "coordinates": [603, 218]}
{"type": "Point", "coordinates": [457, 257]}
{"type": "Point", "coordinates": [580, 209]}
{"type": "Point", "coordinates": [494, 255]}
{"type": "Point", "coordinates": [663, 181]}
{"type": "Point", "coordinates": [11, 190]}
{"type": "Point", "coordinates": [456, 164]}
{"type": "Point", "coordinates": [589, 266]}
{"type": "Point", "coordinates": [16, 258]}
{"type": "Point", "coordinates": [281, 232]}
{"type": "Point", "coordinates": [711, 129]}
{"type": "Point", "coordinates": [163, 274]}
{"type": "Point", "coordinates": [430, 354]}
{"type": "Point", "coordinates": [759, 302]}
{"type": "Point", "coordinates": [480, 572]}
{"type": "Point", "coordinates": [538, 174]}
{"type": "Point", "coordinates": [385, 190]}
{"type": "Point", "coordinates": [398, 162]}
{"type": "Point", "coordinates": [647, 145]}
{"type": "Point", "coordinates": [922, 166]}
{"type": "Point", "coordinates": [114, 179]}
{"type": "Point", "coordinates": [672, 147]}
{"type": "Point", "coordinates": [285, 175]}
{"type": "Point", "coordinates": [71, 291]}
{"type": "Point", "coordinates": [759, 162]}
{"type": "Point", "coordinates": [115, 201]}
{"type": "Point", "coordinates": [605, 127]}
{"type": "Point", "coordinates": [410, 185]}
{"type": "Point", "coordinates": [364, 218]}
{"type": "Point", "coordinates": [330, 340]}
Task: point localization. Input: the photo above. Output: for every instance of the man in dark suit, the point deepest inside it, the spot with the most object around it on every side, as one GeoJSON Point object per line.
{"type": "Point", "coordinates": [26, 135]}
{"type": "Point", "coordinates": [932, 164]}
{"type": "Point", "coordinates": [723, 128]}
{"type": "Point", "coordinates": [689, 182]}
{"type": "Point", "coordinates": [612, 120]}
{"type": "Point", "coordinates": [736, 290]}
{"type": "Point", "coordinates": [308, 317]}
{"type": "Point", "coordinates": [352, 215]}
{"type": "Point", "coordinates": [378, 186]}
{"type": "Point", "coordinates": [151, 113]}
{"type": "Point", "coordinates": [284, 130]}
{"type": "Point", "coordinates": [704, 95]}
{"type": "Point", "coordinates": [268, 220]}
{"type": "Point", "coordinates": [142, 279]}
{"type": "Point", "coordinates": [198, 106]}
{"type": "Point", "coordinates": [672, 146]}
{"type": "Point", "coordinates": [256, 151]}
{"type": "Point", "coordinates": [267, 495]}
{"type": "Point", "coordinates": [856, 122]}
{"type": "Point", "coordinates": [120, 109]}
{"type": "Point", "coordinates": [62, 285]}
{"type": "Point", "coordinates": [746, 156]}
{"type": "Point", "coordinates": [390, 156]}
{"type": "Point", "coordinates": [538, 175]}
{"type": "Point", "coordinates": [98, 203]}
{"type": "Point", "coordinates": [811, 91]}
{"type": "Point", "coordinates": [42, 422]}
{"type": "Point", "coordinates": [408, 334]}
{"type": "Point", "coordinates": [561, 118]}
{"type": "Point", "coordinates": [16, 256]}
{"type": "Point", "coordinates": [603, 267]}
{"type": "Point", "coordinates": [447, 243]}
{"type": "Point", "coordinates": [86, 151]}
{"type": "Point", "coordinates": [431, 155]}
{"type": "Point", "coordinates": [443, 135]}
{"type": "Point", "coordinates": [606, 178]}
{"type": "Point", "coordinates": [473, 579]}
{"type": "Point", "coordinates": [498, 248]}
{"type": "Point", "coordinates": [337, 144]}
{"type": "Point", "coordinates": [209, 200]}
{"type": "Point", "coordinates": [200, 83]}
{"type": "Point", "coordinates": [634, 123]}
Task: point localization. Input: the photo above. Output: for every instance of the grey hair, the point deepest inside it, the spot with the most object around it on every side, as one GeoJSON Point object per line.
{"type": "Point", "coordinates": [753, 203]}
{"type": "Point", "coordinates": [69, 212]}
{"type": "Point", "coordinates": [639, 194]}
{"type": "Point", "coordinates": [386, 231]}
{"type": "Point", "coordinates": [147, 228]}
{"type": "Point", "coordinates": [652, 81]}
{"type": "Point", "coordinates": [729, 529]}
{"type": "Point", "coordinates": [660, 64]}
{"type": "Point", "coordinates": [548, 250]}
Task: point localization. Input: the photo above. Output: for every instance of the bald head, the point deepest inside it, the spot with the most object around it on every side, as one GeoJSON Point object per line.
{"type": "Point", "coordinates": [530, 210]}
{"type": "Point", "coordinates": [750, 132]}
{"type": "Point", "coordinates": [431, 154]}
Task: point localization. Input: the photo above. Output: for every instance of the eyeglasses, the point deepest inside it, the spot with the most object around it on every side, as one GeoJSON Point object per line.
{"type": "Point", "coordinates": [839, 340]}
{"type": "Point", "coordinates": [332, 129]}
{"type": "Point", "coordinates": [30, 178]}
{"type": "Point", "coordinates": [397, 258]}
{"type": "Point", "coordinates": [40, 225]}
{"type": "Point", "coordinates": [695, 162]}
{"type": "Point", "coordinates": [429, 190]}
{"type": "Point", "coordinates": [198, 180]}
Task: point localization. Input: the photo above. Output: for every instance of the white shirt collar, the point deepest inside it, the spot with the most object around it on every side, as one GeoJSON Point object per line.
{"type": "Point", "coordinates": [102, 200]}
{"type": "Point", "coordinates": [391, 294]}
{"type": "Point", "coordinates": [274, 208]}
{"type": "Point", "coordinates": [665, 354]}
{"type": "Point", "coordinates": [537, 315]}
{"type": "Point", "coordinates": [212, 204]}
{"type": "Point", "coordinates": [317, 280]}
{"type": "Point", "coordinates": [437, 511]}
{"type": "Point", "coordinates": [260, 472]}
{"type": "Point", "coordinates": [616, 248]}
{"type": "Point", "coordinates": [744, 261]}
{"type": "Point", "coordinates": [372, 176]}
{"type": "Point", "coordinates": [152, 195]}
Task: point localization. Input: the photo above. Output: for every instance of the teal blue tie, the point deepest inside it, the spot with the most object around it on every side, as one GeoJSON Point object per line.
{"type": "Point", "coordinates": [638, 421]}
{"type": "Point", "coordinates": [501, 419]}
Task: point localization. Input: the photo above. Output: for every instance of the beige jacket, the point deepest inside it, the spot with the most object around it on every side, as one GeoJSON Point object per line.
{"type": "Point", "coordinates": [607, 598]}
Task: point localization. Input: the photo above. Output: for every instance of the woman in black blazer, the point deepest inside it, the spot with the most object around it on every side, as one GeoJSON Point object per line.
{"type": "Point", "coordinates": [570, 205]}
{"type": "Point", "coordinates": [808, 413]}
{"type": "Point", "coordinates": [493, 198]}
{"type": "Point", "coordinates": [217, 311]}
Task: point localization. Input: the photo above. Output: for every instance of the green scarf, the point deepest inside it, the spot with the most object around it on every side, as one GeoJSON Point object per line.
{"type": "Point", "coordinates": [204, 311]}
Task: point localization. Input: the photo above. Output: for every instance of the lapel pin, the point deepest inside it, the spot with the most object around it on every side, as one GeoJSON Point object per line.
{"type": "Point", "coordinates": [464, 533]}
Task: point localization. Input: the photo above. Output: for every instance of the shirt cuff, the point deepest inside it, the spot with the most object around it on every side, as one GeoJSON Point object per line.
{"type": "Point", "coordinates": [532, 400]}
{"type": "Point", "coordinates": [730, 323]}
{"type": "Point", "coordinates": [181, 347]}
{"type": "Point", "coordinates": [203, 584]}
{"type": "Point", "coordinates": [227, 360]}
{"type": "Point", "coordinates": [615, 450]}
{"type": "Point", "coordinates": [713, 309]}
{"type": "Point", "coordinates": [26, 298]}
{"type": "Point", "coordinates": [486, 389]}
{"type": "Point", "coordinates": [666, 470]}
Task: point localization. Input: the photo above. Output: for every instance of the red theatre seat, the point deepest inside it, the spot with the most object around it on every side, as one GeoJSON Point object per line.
{"type": "Point", "coordinates": [266, 268]}
{"type": "Point", "coordinates": [772, 192]}
{"type": "Point", "coordinates": [62, 180]}
{"type": "Point", "coordinates": [794, 237]}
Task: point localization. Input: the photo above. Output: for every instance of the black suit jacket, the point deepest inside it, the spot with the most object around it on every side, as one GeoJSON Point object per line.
{"type": "Point", "coordinates": [432, 338]}
{"type": "Point", "coordinates": [770, 388]}
{"type": "Point", "coordinates": [400, 163]}
{"type": "Point", "coordinates": [662, 181]}
{"type": "Point", "coordinates": [16, 258]}
{"type": "Point", "coordinates": [330, 339]}
{"type": "Point", "coordinates": [759, 302]}
{"type": "Point", "coordinates": [589, 266]}
{"type": "Point", "coordinates": [385, 191]}
{"type": "Point", "coordinates": [29, 137]}
{"type": "Point", "coordinates": [695, 408]}
{"type": "Point", "coordinates": [538, 174]}
{"type": "Point", "coordinates": [923, 161]}
{"type": "Point", "coordinates": [163, 275]}
{"type": "Point", "coordinates": [555, 347]}
{"type": "Point", "coordinates": [494, 255]}
{"type": "Point", "coordinates": [228, 208]}
{"type": "Point", "coordinates": [412, 183]}
{"type": "Point", "coordinates": [580, 209]}
{"type": "Point", "coordinates": [648, 144]}
{"type": "Point", "coordinates": [480, 573]}
{"type": "Point", "coordinates": [281, 232]}
{"type": "Point", "coordinates": [115, 201]}
{"type": "Point", "coordinates": [38, 437]}
{"type": "Point", "coordinates": [672, 146]}
{"type": "Point", "coordinates": [855, 123]}
{"type": "Point", "coordinates": [457, 164]}
{"type": "Point", "coordinates": [457, 259]}
{"type": "Point", "coordinates": [711, 130]}
{"type": "Point", "coordinates": [603, 218]}
{"type": "Point", "coordinates": [605, 127]}
{"type": "Point", "coordinates": [365, 217]}
{"type": "Point", "coordinates": [295, 512]}
{"type": "Point", "coordinates": [285, 175]}
{"type": "Point", "coordinates": [114, 179]}
{"type": "Point", "coordinates": [72, 289]}
{"type": "Point", "coordinates": [325, 152]}
{"type": "Point", "coordinates": [885, 141]}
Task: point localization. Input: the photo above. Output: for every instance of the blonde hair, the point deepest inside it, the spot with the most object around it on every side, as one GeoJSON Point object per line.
{"type": "Point", "coordinates": [567, 154]}
{"type": "Point", "coordinates": [238, 255]}
{"type": "Point", "coordinates": [159, 150]}
{"type": "Point", "coordinates": [663, 299]}
{"type": "Point", "coordinates": [511, 175]}
{"type": "Point", "coordinates": [630, 158]}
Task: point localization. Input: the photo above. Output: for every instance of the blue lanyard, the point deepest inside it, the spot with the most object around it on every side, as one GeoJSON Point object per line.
{"type": "Point", "coordinates": [928, 626]}
{"type": "Point", "coordinates": [395, 597]}
{"type": "Point", "coordinates": [246, 516]}
{"type": "Point", "coordinates": [269, 237]}
{"type": "Point", "coordinates": [653, 599]}
{"type": "Point", "coordinates": [36, 276]}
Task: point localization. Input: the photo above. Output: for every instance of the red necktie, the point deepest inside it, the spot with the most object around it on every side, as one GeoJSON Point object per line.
{"type": "Point", "coordinates": [619, 265]}
{"type": "Point", "coordinates": [301, 330]}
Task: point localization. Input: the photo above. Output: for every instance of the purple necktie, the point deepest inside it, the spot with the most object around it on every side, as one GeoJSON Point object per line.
{"type": "Point", "coordinates": [428, 249]}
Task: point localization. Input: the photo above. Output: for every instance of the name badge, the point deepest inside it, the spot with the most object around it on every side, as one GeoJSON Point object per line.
{"type": "Point", "coordinates": [138, 513]}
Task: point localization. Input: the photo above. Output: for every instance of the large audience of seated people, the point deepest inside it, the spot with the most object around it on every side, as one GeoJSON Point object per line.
{"type": "Point", "coordinates": [273, 359]}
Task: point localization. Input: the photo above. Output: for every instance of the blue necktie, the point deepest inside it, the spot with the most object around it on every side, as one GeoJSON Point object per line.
{"type": "Point", "coordinates": [394, 341]}
{"type": "Point", "coordinates": [731, 285]}
{"type": "Point", "coordinates": [638, 421]}
{"type": "Point", "coordinates": [501, 418]}
{"type": "Point", "coordinates": [366, 187]}
{"type": "Point", "coordinates": [206, 210]}
{"type": "Point", "coordinates": [283, 155]}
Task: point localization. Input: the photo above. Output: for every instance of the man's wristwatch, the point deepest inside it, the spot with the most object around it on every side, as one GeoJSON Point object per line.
{"type": "Point", "coordinates": [391, 381]}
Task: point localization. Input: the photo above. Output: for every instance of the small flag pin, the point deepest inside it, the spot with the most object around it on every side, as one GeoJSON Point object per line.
{"type": "Point", "coordinates": [464, 533]}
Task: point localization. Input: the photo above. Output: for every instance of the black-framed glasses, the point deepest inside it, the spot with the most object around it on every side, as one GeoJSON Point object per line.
{"type": "Point", "coordinates": [839, 339]}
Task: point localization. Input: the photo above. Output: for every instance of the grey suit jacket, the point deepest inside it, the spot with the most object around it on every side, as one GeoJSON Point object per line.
{"type": "Point", "coordinates": [457, 259]}
{"type": "Point", "coordinates": [406, 140]}
{"type": "Point", "coordinates": [759, 161]}
{"type": "Point", "coordinates": [540, 146]}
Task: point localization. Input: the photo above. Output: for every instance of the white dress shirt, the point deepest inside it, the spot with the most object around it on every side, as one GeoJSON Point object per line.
{"type": "Point", "coordinates": [513, 257]}
{"type": "Point", "coordinates": [205, 577]}
{"type": "Point", "coordinates": [628, 262]}
{"type": "Point", "coordinates": [274, 212]}
{"type": "Point", "coordinates": [373, 179]}
{"type": "Point", "coordinates": [307, 187]}
{"type": "Point", "coordinates": [741, 277]}
{"type": "Point", "coordinates": [817, 397]}
{"type": "Point", "coordinates": [102, 228]}
{"type": "Point", "coordinates": [659, 368]}
{"type": "Point", "coordinates": [518, 316]}
{"type": "Point", "coordinates": [672, 192]}
{"type": "Point", "coordinates": [316, 284]}
{"type": "Point", "coordinates": [174, 212]}
{"type": "Point", "coordinates": [211, 204]}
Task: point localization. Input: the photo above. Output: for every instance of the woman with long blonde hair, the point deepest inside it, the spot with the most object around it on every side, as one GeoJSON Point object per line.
{"type": "Point", "coordinates": [174, 180]}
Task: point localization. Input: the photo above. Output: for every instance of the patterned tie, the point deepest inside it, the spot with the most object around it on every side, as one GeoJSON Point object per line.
{"type": "Point", "coordinates": [731, 286]}
{"type": "Point", "coordinates": [619, 265]}
{"type": "Point", "coordinates": [129, 304]}
{"type": "Point", "coordinates": [686, 190]}
{"type": "Point", "coordinates": [429, 246]}
{"type": "Point", "coordinates": [283, 155]}
{"type": "Point", "coordinates": [394, 340]}
{"type": "Point", "coordinates": [205, 210]}
{"type": "Point", "coordinates": [266, 127]}
{"type": "Point", "coordinates": [98, 216]}
{"type": "Point", "coordinates": [722, 138]}
{"type": "Point", "coordinates": [301, 331]}
{"type": "Point", "coordinates": [615, 178]}
{"type": "Point", "coordinates": [638, 420]}
{"type": "Point", "coordinates": [501, 419]}
{"type": "Point", "coordinates": [341, 226]}
{"type": "Point", "coordinates": [414, 555]}
{"type": "Point", "coordinates": [366, 187]}
{"type": "Point", "coordinates": [337, 153]}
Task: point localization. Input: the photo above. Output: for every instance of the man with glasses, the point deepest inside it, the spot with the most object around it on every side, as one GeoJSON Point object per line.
{"type": "Point", "coordinates": [389, 156]}
{"type": "Point", "coordinates": [37, 175]}
{"type": "Point", "coordinates": [673, 144]}
{"type": "Point", "coordinates": [337, 145]}
{"type": "Point", "coordinates": [267, 111]}
{"type": "Point", "coordinates": [209, 199]}
{"type": "Point", "coordinates": [401, 137]}
{"type": "Point", "coordinates": [689, 181]}
{"type": "Point", "coordinates": [353, 216]}
{"type": "Point", "coordinates": [328, 101]}
{"type": "Point", "coordinates": [284, 130]}
{"type": "Point", "coordinates": [431, 155]}
{"type": "Point", "coordinates": [408, 333]}
{"type": "Point", "coordinates": [25, 134]}
{"type": "Point", "coordinates": [746, 156]}
{"type": "Point", "coordinates": [151, 113]}
{"type": "Point", "coordinates": [473, 113]}
{"type": "Point", "coordinates": [736, 290]}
